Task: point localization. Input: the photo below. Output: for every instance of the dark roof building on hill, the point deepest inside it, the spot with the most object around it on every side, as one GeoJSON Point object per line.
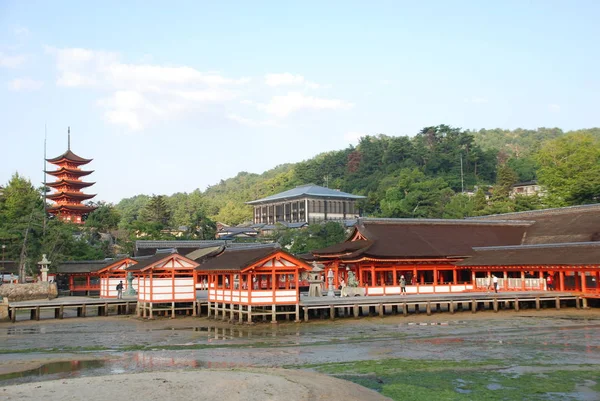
{"type": "Point", "coordinates": [308, 203]}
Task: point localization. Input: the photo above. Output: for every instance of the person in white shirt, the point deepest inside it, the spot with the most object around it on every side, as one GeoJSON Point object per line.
{"type": "Point", "coordinates": [495, 281]}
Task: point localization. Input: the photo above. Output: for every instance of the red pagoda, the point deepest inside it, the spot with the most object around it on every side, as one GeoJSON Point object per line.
{"type": "Point", "coordinates": [68, 186]}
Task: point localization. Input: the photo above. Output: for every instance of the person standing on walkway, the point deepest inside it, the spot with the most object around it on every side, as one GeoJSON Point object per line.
{"type": "Point", "coordinates": [549, 283]}
{"type": "Point", "coordinates": [402, 285]}
{"type": "Point", "coordinates": [489, 283]}
{"type": "Point", "coordinates": [120, 290]}
{"type": "Point", "coordinates": [495, 281]}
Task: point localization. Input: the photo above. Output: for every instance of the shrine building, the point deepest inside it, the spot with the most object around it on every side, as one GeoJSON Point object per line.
{"type": "Point", "coordinates": [67, 195]}
{"type": "Point", "coordinates": [308, 203]}
{"type": "Point", "coordinates": [380, 251]}
{"type": "Point", "coordinates": [263, 280]}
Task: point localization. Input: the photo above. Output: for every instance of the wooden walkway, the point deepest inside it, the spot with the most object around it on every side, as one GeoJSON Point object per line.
{"type": "Point", "coordinates": [81, 304]}
{"type": "Point", "coordinates": [428, 303]}
{"type": "Point", "coordinates": [326, 307]}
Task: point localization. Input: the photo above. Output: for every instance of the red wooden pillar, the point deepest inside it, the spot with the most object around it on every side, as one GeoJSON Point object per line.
{"type": "Point", "coordinates": [373, 276]}
{"type": "Point", "coordinates": [541, 276]}
{"type": "Point", "coordinates": [523, 280]}
{"type": "Point", "coordinates": [394, 276]}
{"type": "Point", "coordinates": [335, 276]}
{"type": "Point", "coordinates": [561, 278]}
{"type": "Point", "coordinates": [583, 283]}
{"type": "Point", "coordinates": [273, 283]}
{"type": "Point", "coordinates": [454, 276]}
{"type": "Point", "coordinates": [435, 277]}
{"type": "Point", "coordinates": [577, 282]}
{"type": "Point", "coordinates": [250, 287]}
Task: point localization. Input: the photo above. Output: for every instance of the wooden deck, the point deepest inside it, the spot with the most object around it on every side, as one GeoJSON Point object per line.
{"type": "Point", "coordinates": [428, 303]}
{"type": "Point", "coordinates": [318, 307]}
{"type": "Point", "coordinates": [80, 304]}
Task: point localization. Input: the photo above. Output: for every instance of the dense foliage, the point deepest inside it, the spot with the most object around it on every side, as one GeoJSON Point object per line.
{"type": "Point", "coordinates": [441, 172]}
{"type": "Point", "coordinates": [426, 175]}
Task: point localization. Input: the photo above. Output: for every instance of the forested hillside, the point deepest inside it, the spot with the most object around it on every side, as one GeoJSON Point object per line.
{"type": "Point", "coordinates": [402, 176]}
{"type": "Point", "coordinates": [432, 174]}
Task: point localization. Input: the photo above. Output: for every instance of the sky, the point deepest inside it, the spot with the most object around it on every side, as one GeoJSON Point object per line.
{"type": "Point", "coordinates": [173, 96]}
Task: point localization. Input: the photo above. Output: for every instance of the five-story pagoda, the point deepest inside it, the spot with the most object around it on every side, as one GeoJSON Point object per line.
{"type": "Point", "coordinates": [68, 186]}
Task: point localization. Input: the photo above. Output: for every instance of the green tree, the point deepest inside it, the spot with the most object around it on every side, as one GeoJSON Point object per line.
{"type": "Point", "coordinates": [156, 212]}
{"type": "Point", "coordinates": [106, 217]}
{"type": "Point", "coordinates": [315, 236]}
{"type": "Point", "coordinates": [504, 182]}
{"type": "Point", "coordinates": [570, 169]}
{"type": "Point", "coordinates": [416, 195]}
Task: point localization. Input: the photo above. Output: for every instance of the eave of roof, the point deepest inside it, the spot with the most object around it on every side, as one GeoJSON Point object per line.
{"type": "Point", "coordinates": [310, 190]}
{"type": "Point", "coordinates": [70, 156]}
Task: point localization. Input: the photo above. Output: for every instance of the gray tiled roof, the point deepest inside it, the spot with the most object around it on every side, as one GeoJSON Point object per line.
{"type": "Point", "coordinates": [309, 190]}
{"type": "Point", "coordinates": [177, 243]}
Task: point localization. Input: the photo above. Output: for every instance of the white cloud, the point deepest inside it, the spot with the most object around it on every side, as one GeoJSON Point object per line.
{"type": "Point", "coordinates": [24, 84]}
{"type": "Point", "coordinates": [138, 94]}
{"type": "Point", "coordinates": [354, 137]}
{"type": "Point", "coordinates": [289, 79]}
{"type": "Point", "coordinates": [251, 123]}
{"type": "Point", "coordinates": [283, 79]}
{"type": "Point", "coordinates": [555, 108]}
{"type": "Point", "coordinates": [20, 31]}
{"type": "Point", "coordinates": [476, 100]}
{"type": "Point", "coordinates": [141, 93]}
{"type": "Point", "coordinates": [282, 106]}
{"type": "Point", "coordinates": [12, 61]}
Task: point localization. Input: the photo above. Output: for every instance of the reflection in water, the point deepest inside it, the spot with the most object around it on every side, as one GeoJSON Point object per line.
{"type": "Point", "coordinates": [54, 370]}
{"type": "Point", "coordinates": [17, 331]}
{"type": "Point", "coordinates": [228, 333]}
{"type": "Point", "coordinates": [130, 363]}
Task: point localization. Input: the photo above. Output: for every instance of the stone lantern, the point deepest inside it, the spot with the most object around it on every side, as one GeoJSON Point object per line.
{"type": "Point", "coordinates": [44, 267]}
{"type": "Point", "coordinates": [330, 292]}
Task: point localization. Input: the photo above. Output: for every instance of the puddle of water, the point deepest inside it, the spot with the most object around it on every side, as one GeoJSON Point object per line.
{"type": "Point", "coordinates": [134, 362]}
{"type": "Point", "coordinates": [53, 370]}
{"type": "Point", "coordinates": [16, 331]}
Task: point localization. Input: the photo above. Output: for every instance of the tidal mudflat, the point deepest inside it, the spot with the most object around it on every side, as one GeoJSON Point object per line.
{"type": "Point", "coordinates": [506, 355]}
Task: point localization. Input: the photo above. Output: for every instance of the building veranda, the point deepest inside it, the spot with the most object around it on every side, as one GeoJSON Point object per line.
{"type": "Point", "coordinates": [258, 281]}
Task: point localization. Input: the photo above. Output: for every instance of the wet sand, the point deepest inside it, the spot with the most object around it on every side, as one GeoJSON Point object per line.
{"type": "Point", "coordinates": [126, 345]}
{"type": "Point", "coordinates": [254, 385]}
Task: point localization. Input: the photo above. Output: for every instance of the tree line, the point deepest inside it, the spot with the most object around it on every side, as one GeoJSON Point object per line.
{"type": "Point", "coordinates": [441, 172]}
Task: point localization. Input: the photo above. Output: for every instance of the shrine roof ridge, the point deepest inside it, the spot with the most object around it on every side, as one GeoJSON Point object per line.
{"type": "Point", "coordinates": [378, 220]}
{"type": "Point", "coordinates": [541, 212]}
{"type": "Point", "coordinates": [177, 243]}
{"type": "Point", "coordinates": [306, 191]}
{"type": "Point", "coordinates": [539, 246]}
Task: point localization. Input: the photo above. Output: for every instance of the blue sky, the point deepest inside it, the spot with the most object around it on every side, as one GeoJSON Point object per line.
{"type": "Point", "coordinates": [172, 96]}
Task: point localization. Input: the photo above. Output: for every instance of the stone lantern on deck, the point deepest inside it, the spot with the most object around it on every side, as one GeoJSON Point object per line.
{"type": "Point", "coordinates": [44, 268]}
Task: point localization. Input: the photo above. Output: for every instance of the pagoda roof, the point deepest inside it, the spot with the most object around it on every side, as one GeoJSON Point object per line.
{"type": "Point", "coordinates": [79, 208]}
{"type": "Point", "coordinates": [74, 171]}
{"type": "Point", "coordinates": [74, 183]}
{"type": "Point", "coordinates": [391, 239]}
{"type": "Point", "coordinates": [69, 156]}
{"type": "Point", "coordinates": [75, 195]}
{"type": "Point", "coordinates": [309, 190]}
{"type": "Point", "coordinates": [571, 254]}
